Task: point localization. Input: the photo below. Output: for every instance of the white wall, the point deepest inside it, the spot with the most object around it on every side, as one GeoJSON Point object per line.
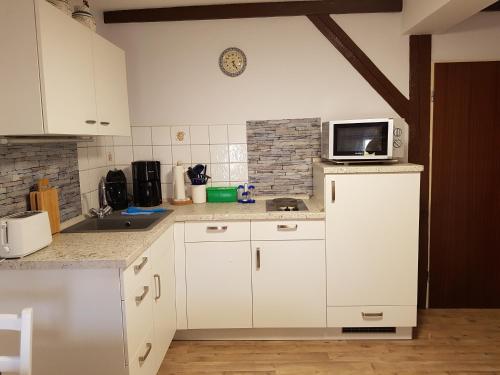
{"type": "Point", "coordinates": [293, 71]}
{"type": "Point", "coordinates": [477, 39]}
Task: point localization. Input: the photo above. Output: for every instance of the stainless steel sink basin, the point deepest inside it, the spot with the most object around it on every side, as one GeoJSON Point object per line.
{"type": "Point", "coordinates": [118, 223]}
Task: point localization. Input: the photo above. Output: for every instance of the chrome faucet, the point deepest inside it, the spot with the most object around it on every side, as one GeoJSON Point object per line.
{"type": "Point", "coordinates": [104, 209]}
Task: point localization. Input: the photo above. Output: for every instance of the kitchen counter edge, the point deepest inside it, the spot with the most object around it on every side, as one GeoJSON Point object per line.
{"type": "Point", "coordinates": [97, 250]}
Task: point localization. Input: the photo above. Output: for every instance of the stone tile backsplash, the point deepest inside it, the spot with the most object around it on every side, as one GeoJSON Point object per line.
{"type": "Point", "coordinates": [277, 156]}
{"type": "Point", "coordinates": [22, 165]}
{"type": "Point", "coordinates": [281, 153]}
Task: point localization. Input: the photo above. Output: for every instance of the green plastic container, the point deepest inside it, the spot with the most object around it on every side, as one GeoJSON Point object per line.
{"type": "Point", "coordinates": [222, 194]}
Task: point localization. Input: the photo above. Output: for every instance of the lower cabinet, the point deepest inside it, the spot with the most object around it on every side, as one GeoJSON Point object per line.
{"type": "Point", "coordinates": [218, 282]}
{"type": "Point", "coordinates": [289, 284]}
{"type": "Point", "coordinates": [149, 306]}
{"type": "Point", "coordinates": [164, 311]}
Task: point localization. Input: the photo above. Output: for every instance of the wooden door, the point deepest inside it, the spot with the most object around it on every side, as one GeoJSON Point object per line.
{"type": "Point", "coordinates": [372, 239]}
{"type": "Point", "coordinates": [465, 190]}
{"type": "Point", "coordinates": [289, 284]}
{"type": "Point", "coordinates": [219, 285]}
{"type": "Point", "coordinates": [66, 72]}
{"type": "Point", "coordinates": [111, 88]}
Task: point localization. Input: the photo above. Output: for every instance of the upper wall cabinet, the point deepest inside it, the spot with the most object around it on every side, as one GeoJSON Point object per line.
{"type": "Point", "coordinates": [110, 75]}
{"type": "Point", "coordinates": [58, 77]}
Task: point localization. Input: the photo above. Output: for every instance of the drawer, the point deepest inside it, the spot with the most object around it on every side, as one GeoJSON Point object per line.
{"type": "Point", "coordinates": [137, 274]}
{"type": "Point", "coordinates": [138, 312]}
{"type": "Point", "coordinates": [207, 231]}
{"type": "Point", "coordinates": [372, 316]}
{"type": "Point", "coordinates": [288, 230]}
{"type": "Point", "coordinates": [142, 362]}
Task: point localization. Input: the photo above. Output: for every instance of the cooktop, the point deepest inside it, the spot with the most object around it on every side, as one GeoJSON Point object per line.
{"type": "Point", "coordinates": [285, 204]}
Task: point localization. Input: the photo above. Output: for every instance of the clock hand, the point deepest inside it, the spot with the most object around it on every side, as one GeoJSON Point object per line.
{"type": "Point", "coordinates": [234, 64]}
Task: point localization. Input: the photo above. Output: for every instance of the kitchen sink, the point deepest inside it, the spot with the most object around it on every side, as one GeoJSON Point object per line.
{"type": "Point", "coordinates": [117, 223]}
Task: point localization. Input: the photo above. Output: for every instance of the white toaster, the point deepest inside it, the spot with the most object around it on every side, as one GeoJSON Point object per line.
{"type": "Point", "coordinates": [24, 233]}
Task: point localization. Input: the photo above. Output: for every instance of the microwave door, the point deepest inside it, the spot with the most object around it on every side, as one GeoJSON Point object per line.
{"type": "Point", "coordinates": [361, 141]}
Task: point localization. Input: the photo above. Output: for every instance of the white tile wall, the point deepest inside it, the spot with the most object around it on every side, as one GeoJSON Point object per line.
{"type": "Point", "coordinates": [94, 160]}
{"type": "Point", "coordinates": [222, 147]}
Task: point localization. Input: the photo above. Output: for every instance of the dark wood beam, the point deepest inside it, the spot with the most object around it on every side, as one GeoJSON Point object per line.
{"type": "Point", "coordinates": [252, 10]}
{"type": "Point", "coordinates": [495, 7]}
{"type": "Point", "coordinates": [358, 59]}
{"type": "Point", "coordinates": [419, 143]}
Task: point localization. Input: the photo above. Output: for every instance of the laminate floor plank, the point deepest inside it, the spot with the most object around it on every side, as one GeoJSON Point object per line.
{"type": "Point", "coordinates": [447, 342]}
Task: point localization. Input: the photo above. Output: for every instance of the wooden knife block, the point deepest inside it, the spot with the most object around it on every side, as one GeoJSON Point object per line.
{"type": "Point", "coordinates": [47, 199]}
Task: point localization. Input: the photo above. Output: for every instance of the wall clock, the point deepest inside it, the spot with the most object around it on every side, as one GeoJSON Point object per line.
{"type": "Point", "coordinates": [232, 61]}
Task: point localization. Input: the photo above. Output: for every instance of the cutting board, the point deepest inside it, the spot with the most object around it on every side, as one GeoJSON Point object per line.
{"type": "Point", "coordinates": [46, 198]}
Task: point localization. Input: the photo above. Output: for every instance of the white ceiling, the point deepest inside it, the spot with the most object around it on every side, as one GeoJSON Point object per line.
{"type": "Point", "coordinates": [103, 5]}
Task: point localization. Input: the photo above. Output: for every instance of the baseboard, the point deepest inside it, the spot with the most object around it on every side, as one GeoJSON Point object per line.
{"type": "Point", "coordinates": [402, 333]}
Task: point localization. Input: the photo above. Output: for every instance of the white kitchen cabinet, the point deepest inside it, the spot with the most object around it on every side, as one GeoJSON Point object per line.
{"type": "Point", "coordinates": [110, 75]}
{"type": "Point", "coordinates": [66, 73]}
{"type": "Point", "coordinates": [288, 230]}
{"type": "Point", "coordinates": [372, 239]}
{"type": "Point", "coordinates": [218, 282]}
{"type": "Point", "coordinates": [217, 231]}
{"type": "Point", "coordinates": [289, 284]}
{"type": "Point", "coordinates": [149, 305]}
{"type": "Point", "coordinates": [164, 310]}
{"type": "Point", "coordinates": [51, 84]}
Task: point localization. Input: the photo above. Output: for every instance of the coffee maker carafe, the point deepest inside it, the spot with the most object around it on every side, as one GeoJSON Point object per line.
{"type": "Point", "coordinates": [147, 185]}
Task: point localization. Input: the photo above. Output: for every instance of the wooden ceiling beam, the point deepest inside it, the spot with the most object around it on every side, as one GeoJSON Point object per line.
{"type": "Point", "coordinates": [362, 63]}
{"type": "Point", "coordinates": [252, 10]}
{"type": "Point", "coordinates": [495, 7]}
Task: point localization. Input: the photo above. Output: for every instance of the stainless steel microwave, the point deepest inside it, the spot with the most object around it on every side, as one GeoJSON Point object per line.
{"type": "Point", "coordinates": [369, 139]}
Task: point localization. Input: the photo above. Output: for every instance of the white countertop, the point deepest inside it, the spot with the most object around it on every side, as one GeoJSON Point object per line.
{"type": "Point", "coordinates": [120, 249]}
{"type": "Point", "coordinates": [331, 168]}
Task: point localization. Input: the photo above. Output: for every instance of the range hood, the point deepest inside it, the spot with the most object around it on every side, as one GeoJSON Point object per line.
{"type": "Point", "coordinates": [28, 139]}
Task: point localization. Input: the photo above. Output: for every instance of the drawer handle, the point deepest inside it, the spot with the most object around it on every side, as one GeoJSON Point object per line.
{"type": "Point", "coordinates": [257, 262]}
{"type": "Point", "coordinates": [91, 122]}
{"type": "Point", "coordinates": [145, 356]}
{"type": "Point", "coordinates": [105, 123]}
{"type": "Point", "coordinates": [287, 227]}
{"type": "Point", "coordinates": [372, 316]}
{"type": "Point", "coordinates": [333, 191]}
{"type": "Point", "coordinates": [140, 298]}
{"type": "Point", "coordinates": [140, 266]}
{"type": "Point", "coordinates": [219, 229]}
{"type": "Point", "coordinates": [158, 286]}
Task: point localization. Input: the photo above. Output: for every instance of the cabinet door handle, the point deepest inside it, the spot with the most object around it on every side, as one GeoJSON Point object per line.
{"type": "Point", "coordinates": [372, 316]}
{"type": "Point", "coordinates": [105, 123]}
{"type": "Point", "coordinates": [140, 298]}
{"type": "Point", "coordinates": [333, 191]}
{"type": "Point", "coordinates": [91, 122]}
{"type": "Point", "coordinates": [257, 262]}
{"type": "Point", "coordinates": [158, 286]}
{"type": "Point", "coordinates": [287, 227]}
{"type": "Point", "coordinates": [219, 229]}
{"type": "Point", "coordinates": [140, 266]}
{"type": "Point", "coordinates": [145, 356]}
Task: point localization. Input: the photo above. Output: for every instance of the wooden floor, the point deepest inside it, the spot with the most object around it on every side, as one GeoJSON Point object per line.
{"type": "Point", "coordinates": [447, 342]}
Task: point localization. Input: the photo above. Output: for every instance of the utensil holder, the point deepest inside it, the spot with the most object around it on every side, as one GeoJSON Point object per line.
{"type": "Point", "coordinates": [199, 193]}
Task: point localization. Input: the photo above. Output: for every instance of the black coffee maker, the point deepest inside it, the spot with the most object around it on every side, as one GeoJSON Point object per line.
{"type": "Point", "coordinates": [116, 190]}
{"type": "Point", "coordinates": [147, 186]}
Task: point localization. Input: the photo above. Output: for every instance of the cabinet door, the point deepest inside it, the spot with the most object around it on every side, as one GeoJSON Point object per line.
{"type": "Point", "coordinates": [372, 239]}
{"type": "Point", "coordinates": [66, 72]}
{"type": "Point", "coordinates": [219, 290]}
{"type": "Point", "coordinates": [164, 313]}
{"type": "Point", "coordinates": [20, 97]}
{"type": "Point", "coordinates": [110, 88]}
{"type": "Point", "coordinates": [289, 284]}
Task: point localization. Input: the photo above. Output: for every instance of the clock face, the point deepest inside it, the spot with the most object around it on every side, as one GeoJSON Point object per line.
{"type": "Point", "coordinates": [232, 61]}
